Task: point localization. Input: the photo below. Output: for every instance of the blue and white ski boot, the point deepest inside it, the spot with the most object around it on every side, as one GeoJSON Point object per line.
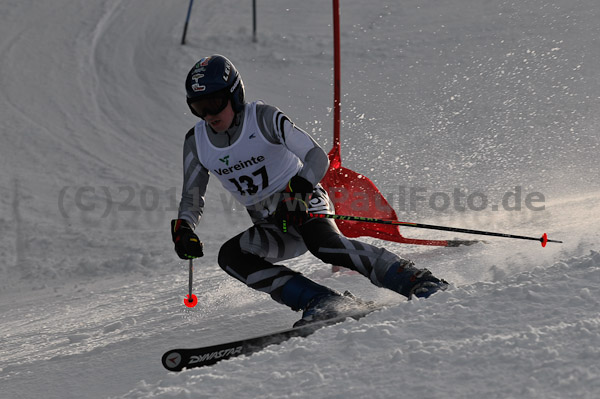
{"type": "Point", "coordinates": [405, 279]}
{"type": "Point", "coordinates": [318, 302]}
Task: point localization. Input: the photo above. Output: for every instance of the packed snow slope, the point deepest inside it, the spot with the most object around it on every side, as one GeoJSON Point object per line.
{"type": "Point", "coordinates": [484, 104]}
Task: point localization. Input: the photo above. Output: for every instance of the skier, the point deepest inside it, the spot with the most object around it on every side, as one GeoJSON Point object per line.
{"type": "Point", "coordinates": [273, 168]}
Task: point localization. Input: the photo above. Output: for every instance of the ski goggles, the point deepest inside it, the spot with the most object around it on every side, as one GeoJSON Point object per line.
{"type": "Point", "coordinates": [210, 105]}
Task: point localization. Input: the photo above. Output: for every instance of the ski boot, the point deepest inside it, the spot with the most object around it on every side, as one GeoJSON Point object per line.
{"type": "Point", "coordinates": [316, 301]}
{"type": "Point", "coordinates": [333, 306]}
{"type": "Point", "coordinates": [427, 285]}
{"type": "Point", "coordinates": [405, 279]}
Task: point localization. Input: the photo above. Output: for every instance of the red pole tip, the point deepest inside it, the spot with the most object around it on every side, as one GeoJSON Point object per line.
{"type": "Point", "coordinates": [544, 240]}
{"type": "Point", "coordinates": [190, 302]}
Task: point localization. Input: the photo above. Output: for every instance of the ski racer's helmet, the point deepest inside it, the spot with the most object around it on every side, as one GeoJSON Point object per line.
{"type": "Point", "coordinates": [214, 77]}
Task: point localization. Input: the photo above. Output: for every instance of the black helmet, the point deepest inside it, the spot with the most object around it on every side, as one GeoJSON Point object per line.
{"type": "Point", "coordinates": [214, 76]}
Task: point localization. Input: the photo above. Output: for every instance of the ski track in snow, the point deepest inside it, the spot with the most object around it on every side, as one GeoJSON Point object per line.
{"type": "Point", "coordinates": [483, 97]}
{"type": "Point", "coordinates": [516, 330]}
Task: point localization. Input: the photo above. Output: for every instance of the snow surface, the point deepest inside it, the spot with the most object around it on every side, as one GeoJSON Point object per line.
{"type": "Point", "coordinates": [480, 96]}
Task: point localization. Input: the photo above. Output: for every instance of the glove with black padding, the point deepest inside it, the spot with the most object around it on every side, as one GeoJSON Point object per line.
{"type": "Point", "coordinates": [187, 243]}
{"type": "Point", "coordinates": [292, 210]}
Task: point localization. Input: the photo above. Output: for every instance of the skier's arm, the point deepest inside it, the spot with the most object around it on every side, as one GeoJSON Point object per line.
{"type": "Point", "coordinates": [313, 157]}
{"type": "Point", "coordinates": [281, 130]}
{"type": "Point", "coordinates": [195, 180]}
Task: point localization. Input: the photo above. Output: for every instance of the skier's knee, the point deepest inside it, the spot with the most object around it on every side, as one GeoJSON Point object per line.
{"type": "Point", "coordinates": [229, 252]}
{"type": "Point", "coordinates": [320, 233]}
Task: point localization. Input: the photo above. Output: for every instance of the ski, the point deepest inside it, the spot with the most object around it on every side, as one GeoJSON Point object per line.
{"type": "Point", "coordinates": [178, 359]}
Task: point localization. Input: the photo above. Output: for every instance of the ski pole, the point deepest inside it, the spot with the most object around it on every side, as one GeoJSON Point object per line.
{"type": "Point", "coordinates": [191, 299]}
{"type": "Point", "coordinates": [543, 239]}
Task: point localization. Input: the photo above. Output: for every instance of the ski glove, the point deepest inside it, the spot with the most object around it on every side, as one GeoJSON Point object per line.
{"type": "Point", "coordinates": [187, 243]}
{"type": "Point", "coordinates": [292, 210]}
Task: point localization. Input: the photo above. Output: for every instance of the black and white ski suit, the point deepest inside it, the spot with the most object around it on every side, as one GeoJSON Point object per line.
{"type": "Point", "coordinates": [254, 160]}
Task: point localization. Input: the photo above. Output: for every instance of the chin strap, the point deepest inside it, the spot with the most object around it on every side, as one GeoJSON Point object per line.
{"type": "Point", "coordinates": [237, 119]}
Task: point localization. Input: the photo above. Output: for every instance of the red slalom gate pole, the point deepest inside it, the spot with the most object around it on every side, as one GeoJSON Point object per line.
{"type": "Point", "coordinates": [336, 74]}
{"type": "Point", "coordinates": [543, 239]}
